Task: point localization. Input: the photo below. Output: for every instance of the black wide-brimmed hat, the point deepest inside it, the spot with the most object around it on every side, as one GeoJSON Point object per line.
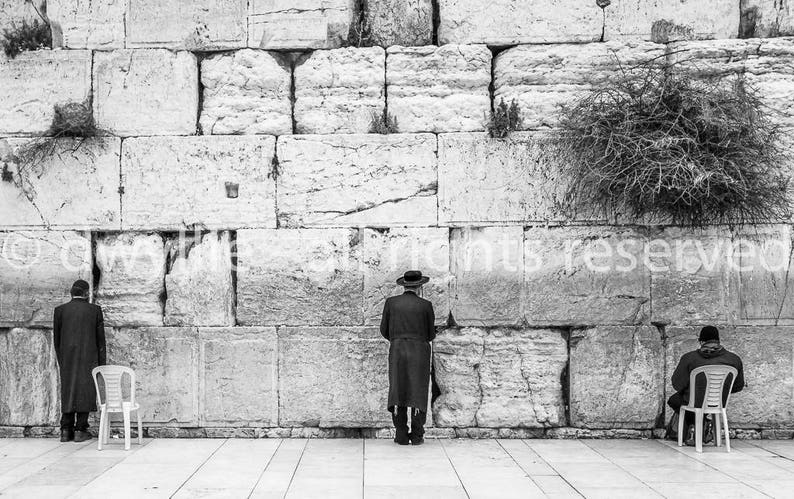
{"type": "Point", "coordinates": [412, 278]}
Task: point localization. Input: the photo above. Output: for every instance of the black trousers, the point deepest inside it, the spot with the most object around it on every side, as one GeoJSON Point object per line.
{"type": "Point", "coordinates": [68, 421]}
{"type": "Point", "coordinates": [675, 402]}
{"type": "Point", "coordinates": [400, 420]}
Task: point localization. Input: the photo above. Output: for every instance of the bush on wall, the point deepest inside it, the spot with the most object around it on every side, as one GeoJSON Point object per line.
{"type": "Point", "coordinates": [26, 35]}
{"type": "Point", "coordinates": [659, 145]}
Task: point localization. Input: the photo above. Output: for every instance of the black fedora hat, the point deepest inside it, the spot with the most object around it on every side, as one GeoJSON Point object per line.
{"type": "Point", "coordinates": [412, 278]}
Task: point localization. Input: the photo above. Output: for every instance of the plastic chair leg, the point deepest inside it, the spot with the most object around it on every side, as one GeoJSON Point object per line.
{"type": "Point", "coordinates": [698, 431]}
{"type": "Point", "coordinates": [140, 427]}
{"type": "Point", "coordinates": [106, 434]}
{"type": "Point", "coordinates": [717, 429]}
{"type": "Point", "coordinates": [727, 436]}
{"type": "Point", "coordinates": [102, 423]}
{"type": "Point", "coordinates": [126, 413]}
{"type": "Point", "coordinates": [681, 415]}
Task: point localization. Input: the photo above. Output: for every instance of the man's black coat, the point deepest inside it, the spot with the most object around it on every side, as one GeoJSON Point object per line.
{"type": "Point", "coordinates": [408, 323]}
{"type": "Point", "coordinates": [79, 335]}
{"type": "Point", "coordinates": [705, 357]}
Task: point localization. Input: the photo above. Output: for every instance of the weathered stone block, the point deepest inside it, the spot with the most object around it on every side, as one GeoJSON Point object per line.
{"type": "Point", "coordinates": [541, 78]}
{"type": "Point", "coordinates": [503, 181]}
{"type": "Point", "coordinates": [760, 266]}
{"type": "Point", "coordinates": [439, 89]}
{"type": "Point", "coordinates": [199, 283]}
{"type": "Point", "coordinates": [700, 19]}
{"type": "Point", "coordinates": [37, 269]}
{"type": "Point", "coordinates": [89, 24]}
{"type": "Point", "coordinates": [245, 92]}
{"type": "Point", "coordinates": [768, 356]}
{"type": "Point", "coordinates": [333, 377]}
{"type": "Point", "coordinates": [166, 365]}
{"type": "Point", "coordinates": [400, 22]}
{"type": "Point", "coordinates": [488, 267]}
{"type": "Point", "coordinates": [387, 254]}
{"type": "Point", "coordinates": [690, 276]}
{"type": "Point", "coordinates": [767, 66]}
{"type": "Point", "coordinates": [14, 12]}
{"type": "Point", "coordinates": [240, 373]}
{"type": "Point", "coordinates": [146, 92]}
{"type": "Point", "coordinates": [34, 82]}
{"type": "Point", "coordinates": [210, 182]}
{"type": "Point", "coordinates": [511, 22]}
{"type": "Point", "coordinates": [187, 24]}
{"type": "Point", "coordinates": [766, 18]}
{"type": "Point", "coordinates": [75, 185]}
{"type": "Point", "coordinates": [29, 394]}
{"type": "Point", "coordinates": [301, 24]}
{"type": "Point", "coordinates": [585, 276]}
{"type": "Point", "coordinates": [617, 377]}
{"type": "Point", "coordinates": [368, 179]}
{"type": "Point", "coordinates": [131, 289]}
{"type": "Point", "coordinates": [338, 91]}
{"type": "Point", "coordinates": [500, 378]}
{"type": "Point", "coordinates": [299, 276]}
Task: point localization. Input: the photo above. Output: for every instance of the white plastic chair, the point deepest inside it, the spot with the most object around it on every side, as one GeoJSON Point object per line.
{"type": "Point", "coordinates": [114, 402]}
{"type": "Point", "coordinates": [716, 377]}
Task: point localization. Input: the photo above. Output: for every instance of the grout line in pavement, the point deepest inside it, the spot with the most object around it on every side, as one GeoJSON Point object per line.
{"type": "Point", "coordinates": [199, 468]}
{"type": "Point", "coordinates": [295, 471]}
{"type": "Point", "coordinates": [519, 465]}
{"type": "Point", "coordinates": [363, 464]}
{"type": "Point", "coordinates": [267, 465]}
{"type": "Point", "coordinates": [41, 468]}
{"type": "Point", "coordinates": [550, 465]}
{"type": "Point", "coordinates": [453, 468]}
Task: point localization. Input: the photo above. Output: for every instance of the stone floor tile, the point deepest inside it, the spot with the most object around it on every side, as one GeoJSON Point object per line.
{"type": "Point", "coordinates": [565, 450]}
{"type": "Point", "coordinates": [707, 490]}
{"type": "Point", "coordinates": [278, 474]}
{"type": "Point", "coordinates": [555, 486]}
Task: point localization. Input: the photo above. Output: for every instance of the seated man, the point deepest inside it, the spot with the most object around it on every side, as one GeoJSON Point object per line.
{"type": "Point", "coordinates": [709, 353]}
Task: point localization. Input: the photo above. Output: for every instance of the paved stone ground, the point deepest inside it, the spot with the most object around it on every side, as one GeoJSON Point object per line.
{"type": "Point", "coordinates": [268, 468]}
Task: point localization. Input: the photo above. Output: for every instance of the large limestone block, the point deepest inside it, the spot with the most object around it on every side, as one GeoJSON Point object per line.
{"type": "Point", "coordinates": [400, 22]}
{"type": "Point", "coordinates": [541, 78]}
{"type": "Point", "coordinates": [338, 91]}
{"type": "Point", "coordinates": [34, 82]}
{"type": "Point", "coordinates": [187, 24]}
{"type": "Point", "coordinates": [199, 285]}
{"type": "Point", "coordinates": [210, 182]}
{"type": "Point", "coordinates": [766, 18]}
{"type": "Point", "coordinates": [89, 24]}
{"type": "Point", "coordinates": [166, 365]}
{"type": "Point", "coordinates": [75, 186]}
{"type": "Point", "coordinates": [333, 377]}
{"type": "Point", "coordinates": [690, 19]}
{"type": "Point", "coordinates": [299, 24]}
{"type": "Point", "coordinates": [511, 22]}
{"type": "Point", "coordinates": [585, 276]}
{"type": "Point", "coordinates": [37, 269]}
{"type": "Point", "coordinates": [617, 377]}
{"type": "Point", "coordinates": [760, 265]}
{"type": "Point", "coordinates": [500, 378]}
{"type": "Point", "coordinates": [439, 89]}
{"type": "Point", "coordinates": [29, 394]}
{"type": "Point", "coordinates": [691, 276]}
{"type": "Point", "coordinates": [146, 92]}
{"type": "Point", "coordinates": [131, 287]}
{"type": "Point", "coordinates": [488, 267]}
{"type": "Point", "coordinates": [348, 180]}
{"type": "Point", "coordinates": [16, 11]}
{"type": "Point", "coordinates": [388, 253]}
{"type": "Point", "coordinates": [502, 181]}
{"type": "Point", "coordinates": [767, 353]}
{"type": "Point", "coordinates": [240, 376]}
{"type": "Point", "coordinates": [245, 92]}
{"type": "Point", "coordinates": [299, 276]}
{"type": "Point", "coordinates": [766, 65]}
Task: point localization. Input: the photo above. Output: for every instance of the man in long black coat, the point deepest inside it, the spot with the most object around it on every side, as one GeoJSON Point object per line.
{"type": "Point", "coordinates": [408, 323]}
{"type": "Point", "coordinates": [79, 335]}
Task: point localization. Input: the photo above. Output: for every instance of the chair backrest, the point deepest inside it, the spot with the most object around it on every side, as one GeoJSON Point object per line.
{"type": "Point", "coordinates": [112, 376]}
{"type": "Point", "coordinates": [718, 378]}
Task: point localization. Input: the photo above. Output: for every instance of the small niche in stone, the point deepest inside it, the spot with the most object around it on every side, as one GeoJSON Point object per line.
{"type": "Point", "coordinates": [232, 190]}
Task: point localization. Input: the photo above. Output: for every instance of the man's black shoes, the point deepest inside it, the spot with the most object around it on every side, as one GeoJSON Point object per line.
{"type": "Point", "coordinates": [416, 439]}
{"type": "Point", "coordinates": [81, 436]}
{"type": "Point", "coordinates": [67, 435]}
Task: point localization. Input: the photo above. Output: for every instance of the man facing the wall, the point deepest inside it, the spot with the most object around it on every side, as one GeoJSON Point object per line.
{"type": "Point", "coordinates": [79, 335]}
{"type": "Point", "coordinates": [408, 323]}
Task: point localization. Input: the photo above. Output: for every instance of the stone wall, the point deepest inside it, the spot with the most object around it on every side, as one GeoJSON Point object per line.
{"type": "Point", "coordinates": [241, 228]}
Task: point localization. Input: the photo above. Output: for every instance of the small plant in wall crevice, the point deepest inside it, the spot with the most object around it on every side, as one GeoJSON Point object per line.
{"type": "Point", "coordinates": [504, 119]}
{"type": "Point", "coordinates": [659, 145]}
{"type": "Point", "coordinates": [383, 123]}
{"type": "Point", "coordinates": [28, 36]}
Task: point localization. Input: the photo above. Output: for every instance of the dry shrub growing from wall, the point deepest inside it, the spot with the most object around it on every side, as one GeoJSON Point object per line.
{"type": "Point", "coordinates": [657, 144]}
{"type": "Point", "coordinates": [383, 123]}
{"type": "Point", "coordinates": [28, 36]}
{"type": "Point", "coordinates": [504, 119]}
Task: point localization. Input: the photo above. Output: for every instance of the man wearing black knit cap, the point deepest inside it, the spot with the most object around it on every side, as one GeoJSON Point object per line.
{"type": "Point", "coordinates": [79, 336]}
{"type": "Point", "coordinates": [709, 353]}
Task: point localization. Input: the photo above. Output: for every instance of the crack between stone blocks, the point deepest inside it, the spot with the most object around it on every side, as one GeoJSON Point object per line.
{"type": "Point", "coordinates": [429, 189]}
{"type": "Point", "coordinates": [785, 284]}
{"type": "Point", "coordinates": [478, 371]}
{"type": "Point", "coordinates": [292, 96]}
{"type": "Point", "coordinates": [566, 381]}
{"type": "Point", "coordinates": [665, 374]}
{"type": "Point", "coordinates": [234, 262]}
{"type": "Point", "coordinates": [436, 20]}
{"type": "Point", "coordinates": [200, 100]}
